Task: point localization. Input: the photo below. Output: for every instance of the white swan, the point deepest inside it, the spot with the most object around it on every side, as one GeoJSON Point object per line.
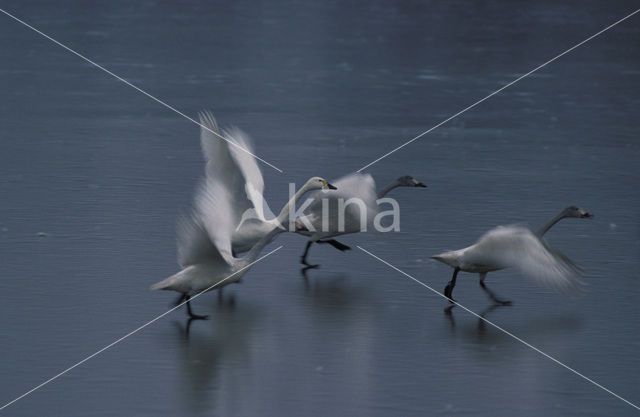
{"type": "Point", "coordinates": [204, 247]}
{"type": "Point", "coordinates": [517, 247]}
{"type": "Point", "coordinates": [360, 187]}
{"type": "Point", "coordinates": [240, 173]}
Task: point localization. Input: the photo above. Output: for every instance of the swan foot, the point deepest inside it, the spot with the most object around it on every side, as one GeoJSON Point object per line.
{"type": "Point", "coordinates": [198, 317]}
{"type": "Point", "coordinates": [193, 316]}
{"type": "Point", "coordinates": [493, 297]}
{"type": "Point", "coordinates": [340, 246]}
{"type": "Point", "coordinates": [303, 272]}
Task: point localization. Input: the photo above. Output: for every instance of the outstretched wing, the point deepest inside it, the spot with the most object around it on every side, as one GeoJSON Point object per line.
{"type": "Point", "coordinates": [248, 166]}
{"type": "Point", "coordinates": [519, 247]}
{"type": "Point", "coordinates": [208, 235]}
{"type": "Point", "coordinates": [221, 166]}
{"type": "Point", "coordinates": [194, 244]}
{"type": "Point", "coordinates": [358, 194]}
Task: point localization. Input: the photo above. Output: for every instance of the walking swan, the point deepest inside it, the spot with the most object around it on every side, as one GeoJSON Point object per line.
{"type": "Point", "coordinates": [517, 247]}
{"type": "Point", "coordinates": [360, 187]}
{"type": "Point", "coordinates": [204, 247]}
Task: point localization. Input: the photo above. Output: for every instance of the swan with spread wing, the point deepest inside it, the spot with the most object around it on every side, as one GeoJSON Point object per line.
{"type": "Point", "coordinates": [520, 248]}
{"type": "Point", "coordinates": [204, 247]}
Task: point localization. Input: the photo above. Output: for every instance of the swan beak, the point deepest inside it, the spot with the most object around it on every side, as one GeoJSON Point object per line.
{"type": "Point", "coordinates": [417, 183]}
{"type": "Point", "coordinates": [328, 186]}
{"type": "Point", "coordinates": [585, 215]}
{"type": "Point", "coordinates": [300, 227]}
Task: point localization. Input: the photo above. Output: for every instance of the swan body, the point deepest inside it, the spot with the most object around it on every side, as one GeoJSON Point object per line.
{"type": "Point", "coordinates": [517, 247]}
{"type": "Point", "coordinates": [359, 187]}
{"type": "Point", "coordinates": [356, 186]}
{"type": "Point", "coordinates": [239, 172]}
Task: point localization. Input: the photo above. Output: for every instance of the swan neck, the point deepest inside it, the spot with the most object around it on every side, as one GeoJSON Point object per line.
{"type": "Point", "coordinates": [283, 217]}
{"type": "Point", "coordinates": [544, 229]}
{"type": "Point", "coordinates": [388, 188]}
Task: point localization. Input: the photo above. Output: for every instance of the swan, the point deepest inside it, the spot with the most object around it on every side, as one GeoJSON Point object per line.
{"type": "Point", "coordinates": [204, 247]}
{"type": "Point", "coordinates": [518, 247]}
{"type": "Point", "coordinates": [357, 186]}
{"type": "Point", "coordinates": [239, 171]}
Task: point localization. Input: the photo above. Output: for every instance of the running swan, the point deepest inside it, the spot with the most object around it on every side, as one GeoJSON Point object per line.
{"type": "Point", "coordinates": [360, 187]}
{"type": "Point", "coordinates": [517, 247]}
{"type": "Point", "coordinates": [204, 247]}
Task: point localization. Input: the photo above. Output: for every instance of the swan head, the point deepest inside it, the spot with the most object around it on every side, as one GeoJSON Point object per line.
{"type": "Point", "coordinates": [577, 212]}
{"type": "Point", "coordinates": [317, 183]}
{"type": "Point", "coordinates": [409, 181]}
{"type": "Point", "coordinates": [299, 227]}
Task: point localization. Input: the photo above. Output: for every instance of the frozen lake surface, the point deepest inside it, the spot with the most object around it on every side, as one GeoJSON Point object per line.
{"type": "Point", "coordinates": [93, 176]}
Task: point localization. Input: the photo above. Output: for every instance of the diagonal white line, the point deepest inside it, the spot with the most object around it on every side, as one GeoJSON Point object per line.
{"type": "Point", "coordinates": [138, 89]}
{"type": "Point", "coordinates": [501, 329]}
{"type": "Point", "coordinates": [498, 90]}
{"type": "Point", "coordinates": [132, 332]}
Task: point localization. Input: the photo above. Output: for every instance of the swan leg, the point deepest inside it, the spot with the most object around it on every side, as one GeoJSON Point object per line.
{"type": "Point", "coordinates": [191, 315]}
{"type": "Point", "coordinates": [490, 293]}
{"type": "Point", "coordinates": [449, 288]}
{"type": "Point", "coordinates": [179, 300]}
{"type": "Point", "coordinates": [340, 246]}
{"type": "Point", "coordinates": [304, 256]}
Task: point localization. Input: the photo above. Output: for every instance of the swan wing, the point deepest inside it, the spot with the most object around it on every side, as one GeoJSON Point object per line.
{"type": "Point", "coordinates": [352, 185]}
{"type": "Point", "coordinates": [221, 166]}
{"type": "Point", "coordinates": [194, 245]}
{"type": "Point", "coordinates": [215, 214]}
{"type": "Point", "coordinates": [358, 194]}
{"type": "Point", "coordinates": [520, 248]}
{"type": "Point", "coordinates": [248, 166]}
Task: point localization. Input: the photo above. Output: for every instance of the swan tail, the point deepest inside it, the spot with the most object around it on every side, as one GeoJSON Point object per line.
{"type": "Point", "coordinates": [166, 284]}
{"type": "Point", "coordinates": [449, 258]}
